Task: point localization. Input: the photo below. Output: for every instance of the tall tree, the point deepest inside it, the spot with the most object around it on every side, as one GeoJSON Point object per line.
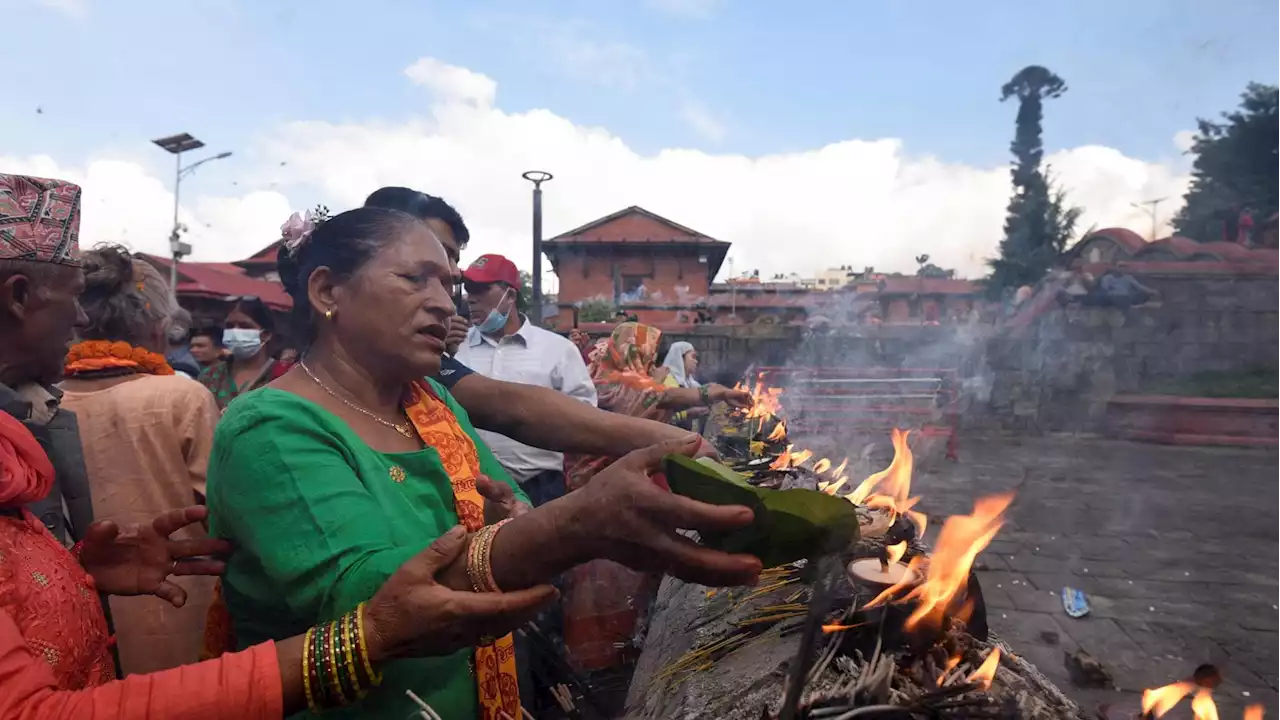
{"type": "Point", "coordinates": [1040, 220]}
{"type": "Point", "coordinates": [1235, 172]}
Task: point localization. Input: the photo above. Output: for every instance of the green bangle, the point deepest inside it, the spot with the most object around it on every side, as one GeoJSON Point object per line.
{"type": "Point", "coordinates": [705, 394]}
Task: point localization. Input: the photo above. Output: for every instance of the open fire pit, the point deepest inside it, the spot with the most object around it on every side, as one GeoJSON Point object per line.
{"type": "Point", "coordinates": [886, 628]}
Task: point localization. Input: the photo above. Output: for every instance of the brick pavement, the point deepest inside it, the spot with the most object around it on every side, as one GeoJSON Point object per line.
{"type": "Point", "coordinates": [1177, 549]}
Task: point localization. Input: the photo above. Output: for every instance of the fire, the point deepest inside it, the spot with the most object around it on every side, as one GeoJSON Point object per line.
{"type": "Point", "coordinates": [1254, 712]}
{"type": "Point", "coordinates": [784, 460]}
{"type": "Point", "coordinates": [961, 539]}
{"type": "Point", "coordinates": [822, 466]}
{"type": "Point", "coordinates": [839, 628]}
{"type": "Point", "coordinates": [1159, 701]}
{"type": "Point", "coordinates": [1203, 707]}
{"type": "Point", "coordinates": [839, 471]}
{"type": "Point", "coordinates": [894, 553]}
{"type": "Point", "coordinates": [891, 488]}
{"type": "Point", "coordinates": [766, 402]}
{"type": "Point", "coordinates": [986, 672]}
{"type": "Point", "coordinates": [779, 433]}
{"type": "Point", "coordinates": [831, 488]}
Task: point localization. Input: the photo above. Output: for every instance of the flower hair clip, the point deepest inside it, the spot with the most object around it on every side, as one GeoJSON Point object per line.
{"type": "Point", "coordinates": [298, 228]}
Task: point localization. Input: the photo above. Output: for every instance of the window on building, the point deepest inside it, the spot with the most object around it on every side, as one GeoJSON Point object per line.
{"type": "Point", "coordinates": [632, 283]}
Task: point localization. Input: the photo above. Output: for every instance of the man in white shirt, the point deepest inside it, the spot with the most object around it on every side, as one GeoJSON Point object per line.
{"type": "Point", "coordinates": [504, 345]}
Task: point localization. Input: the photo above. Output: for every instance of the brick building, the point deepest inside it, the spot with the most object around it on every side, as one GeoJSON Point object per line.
{"type": "Point", "coordinates": [635, 259]}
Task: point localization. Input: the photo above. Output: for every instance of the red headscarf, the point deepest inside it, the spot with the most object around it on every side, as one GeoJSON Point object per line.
{"type": "Point", "coordinates": [26, 475]}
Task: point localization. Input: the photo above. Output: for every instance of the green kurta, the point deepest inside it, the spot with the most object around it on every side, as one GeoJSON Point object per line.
{"type": "Point", "coordinates": [320, 521]}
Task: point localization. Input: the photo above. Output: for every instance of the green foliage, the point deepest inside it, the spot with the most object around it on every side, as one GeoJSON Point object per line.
{"type": "Point", "coordinates": [1235, 170]}
{"type": "Point", "coordinates": [1040, 220]}
{"type": "Point", "coordinates": [598, 310]}
{"type": "Point", "coordinates": [524, 300]}
{"type": "Point", "coordinates": [789, 524]}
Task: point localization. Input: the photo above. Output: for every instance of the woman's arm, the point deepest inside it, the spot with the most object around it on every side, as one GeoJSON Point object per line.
{"type": "Point", "coordinates": [543, 418]}
{"type": "Point", "coordinates": [264, 681]}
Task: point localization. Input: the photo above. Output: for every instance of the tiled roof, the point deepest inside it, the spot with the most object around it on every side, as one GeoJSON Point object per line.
{"type": "Point", "coordinates": [1176, 248]}
{"type": "Point", "coordinates": [217, 280]}
{"type": "Point", "coordinates": [659, 230]}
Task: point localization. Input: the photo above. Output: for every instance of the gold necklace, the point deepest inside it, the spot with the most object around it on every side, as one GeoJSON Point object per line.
{"type": "Point", "coordinates": [404, 429]}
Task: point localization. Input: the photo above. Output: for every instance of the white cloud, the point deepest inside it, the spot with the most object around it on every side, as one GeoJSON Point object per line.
{"type": "Point", "coordinates": [701, 119]}
{"type": "Point", "coordinates": [861, 202]}
{"type": "Point", "coordinates": [699, 9]}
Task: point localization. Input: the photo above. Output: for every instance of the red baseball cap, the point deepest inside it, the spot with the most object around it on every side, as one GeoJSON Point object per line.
{"type": "Point", "coordinates": [492, 269]}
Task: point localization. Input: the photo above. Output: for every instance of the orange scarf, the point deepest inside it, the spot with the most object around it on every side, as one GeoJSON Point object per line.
{"type": "Point", "coordinates": [439, 429]}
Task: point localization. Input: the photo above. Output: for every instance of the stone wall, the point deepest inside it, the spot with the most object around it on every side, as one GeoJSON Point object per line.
{"type": "Point", "coordinates": [1059, 373]}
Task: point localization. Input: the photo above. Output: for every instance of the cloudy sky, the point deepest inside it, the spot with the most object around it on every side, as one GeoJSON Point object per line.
{"type": "Point", "coordinates": [833, 133]}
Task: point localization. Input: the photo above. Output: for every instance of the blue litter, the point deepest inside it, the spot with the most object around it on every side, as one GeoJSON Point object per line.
{"type": "Point", "coordinates": [1074, 602]}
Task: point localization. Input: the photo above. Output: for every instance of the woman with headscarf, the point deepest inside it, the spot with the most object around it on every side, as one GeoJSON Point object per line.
{"type": "Point", "coordinates": [328, 478]}
{"type": "Point", "coordinates": [146, 434]}
{"type": "Point", "coordinates": [605, 603]}
{"type": "Point", "coordinates": [681, 363]}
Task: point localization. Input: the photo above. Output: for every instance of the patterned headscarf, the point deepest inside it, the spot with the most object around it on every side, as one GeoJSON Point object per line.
{"type": "Point", "coordinates": [621, 368]}
{"type": "Point", "coordinates": [39, 220]}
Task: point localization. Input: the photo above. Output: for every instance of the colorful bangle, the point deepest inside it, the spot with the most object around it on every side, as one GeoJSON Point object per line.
{"type": "Point", "coordinates": [488, 557]}
{"type": "Point", "coordinates": [374, 678]}
{"type": "Point", "coordinates": [332, 657]}
{"type": "Point", "coordinates": [316, 667]}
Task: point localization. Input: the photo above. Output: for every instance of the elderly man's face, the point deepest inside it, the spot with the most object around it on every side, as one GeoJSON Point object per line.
{"type": "Point", "coordinates": [45, 306]}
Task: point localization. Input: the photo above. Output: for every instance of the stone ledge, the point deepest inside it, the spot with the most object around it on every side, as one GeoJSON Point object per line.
{"type": "Point", "coordinates": [1176, 420]}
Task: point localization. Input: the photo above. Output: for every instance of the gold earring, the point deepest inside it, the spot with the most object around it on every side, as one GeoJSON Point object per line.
{"type": "Point", "coordinates": [328, 314]}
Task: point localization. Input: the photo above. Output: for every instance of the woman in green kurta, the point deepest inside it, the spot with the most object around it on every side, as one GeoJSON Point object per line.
{"type": "Point", "coordinates": [326, 489]}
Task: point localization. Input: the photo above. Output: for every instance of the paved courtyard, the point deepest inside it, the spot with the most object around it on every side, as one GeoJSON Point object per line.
{"type": "Point", "coordinates": [1177, 549]}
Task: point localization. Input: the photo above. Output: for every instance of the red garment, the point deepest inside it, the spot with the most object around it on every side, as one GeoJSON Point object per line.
{"type": "Point", "coordinates": [279, 368]}
{"type": "Point", "coordinates": [26, 475]}
{"type": "Point", "coordinates": [55, 660]}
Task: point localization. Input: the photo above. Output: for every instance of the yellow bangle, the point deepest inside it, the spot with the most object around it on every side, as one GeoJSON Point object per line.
{"type": "Point", "coordinates": [306, 671]}
{"type": "Point", "coordinates": [374, 677]}
{"type": "Point", "coordinates": [351, 662]}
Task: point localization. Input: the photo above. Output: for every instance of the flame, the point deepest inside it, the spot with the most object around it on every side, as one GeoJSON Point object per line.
{"type": "Point", "coordinates": [986, 672]}
{"type": "Point", "coordinates": [765, 402]}
{"type": "Point", "coordinates": [779, 433]}
{"type": "Point", "coordinates": [1159, 701]}
{"type": "Point", "coordinates": [838, 628]}
{"type": "Point", "coordinates": [839, 471]}
{"type": "Point", "coordinates": [895, 552]}
{"type": "Point", "coordinates": [784, 460]}
{"type": "Point", "coordinates": [822, 466]}
{"type": "Point", "coordinates": [915, 569]}
{"type": "Point", "coordinates": [1254, 712]}
{"type": "Point", "coordinates": [1203, 707]}
{"type": "Point", "coordinates": [961, 539]}
{"type": "Point", "coordinates": [831, 488]}
{"type": "Point", "coordinates": [801, 457]}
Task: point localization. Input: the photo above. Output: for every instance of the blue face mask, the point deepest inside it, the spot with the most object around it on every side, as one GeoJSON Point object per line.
{"type": "Point", "coordinates": [243, 343]}
{"type": "Point", "coordinates": [495, 320]}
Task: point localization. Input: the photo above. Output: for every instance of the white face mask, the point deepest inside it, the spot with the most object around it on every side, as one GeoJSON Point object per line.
{"type": "Point", "coordinates": [243, 343]}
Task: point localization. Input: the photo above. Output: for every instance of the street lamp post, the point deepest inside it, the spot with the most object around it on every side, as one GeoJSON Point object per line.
{"type": "Point", "coordinates": [537, 177]}
{"type": "Point", "coordinates": [176, 145]}
{"type": "Point", "coordinates": [1150, 207]}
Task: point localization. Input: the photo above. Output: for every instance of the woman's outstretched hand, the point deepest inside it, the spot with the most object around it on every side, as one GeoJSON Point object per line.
{"type": "Point", "coordinates": [621, 515]}
{"type": "Point", "coordinates": [138, 559]}
{"type": "Point", "coordinates": [413, 615]}
{"type": "Point", "coordinates": [735, 398]}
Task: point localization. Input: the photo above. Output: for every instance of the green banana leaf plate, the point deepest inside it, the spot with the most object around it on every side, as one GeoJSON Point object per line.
{"type": "Point", "coordinates": [789, 524]}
